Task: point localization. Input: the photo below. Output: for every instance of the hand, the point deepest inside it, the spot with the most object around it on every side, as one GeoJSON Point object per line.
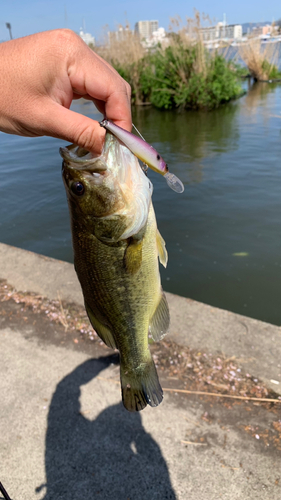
{"type": "Point", "coordinates": [41, 74]}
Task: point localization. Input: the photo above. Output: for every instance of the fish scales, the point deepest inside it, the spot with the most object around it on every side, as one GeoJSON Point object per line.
{"type": "Point", "coordinates": [120, 312]}
{"type": "Point", "coordinates": [119, 276]}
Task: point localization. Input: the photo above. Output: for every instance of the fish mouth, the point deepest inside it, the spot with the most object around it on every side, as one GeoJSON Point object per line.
{"type": "Point", "coordinates": [111, 159]}
{"type": "Point", "coordinates": [115, 162]}
{"type": "Point", "coordinates": [79, 158]}
{"type": "Point", "coordinates": [119, 174]}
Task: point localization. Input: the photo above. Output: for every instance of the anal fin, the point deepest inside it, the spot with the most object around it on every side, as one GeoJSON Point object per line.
{"type": "Point", "coordinates": [160, 320]}
{"type": "Point", "coordinates": [103, 331]}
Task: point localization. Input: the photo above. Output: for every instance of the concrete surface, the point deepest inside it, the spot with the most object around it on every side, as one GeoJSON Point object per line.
{"type": "Point", "coordinates": [256, 344]}
{"type": "Point", "coordinates": [64, 434]}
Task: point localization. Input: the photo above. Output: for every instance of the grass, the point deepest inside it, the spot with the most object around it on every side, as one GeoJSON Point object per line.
{"type": "Point", "coordinates": [125, 54]}
{"type": "Point", "coordinates": [261, 59]}
{"type": "Point", "coordinates": [180, 74]}
{"type": "Point", "coordinates": [176, 78]}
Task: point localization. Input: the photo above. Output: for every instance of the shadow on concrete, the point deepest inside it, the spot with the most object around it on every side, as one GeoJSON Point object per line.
{"type": "Point", "coordinates": [111, 457]}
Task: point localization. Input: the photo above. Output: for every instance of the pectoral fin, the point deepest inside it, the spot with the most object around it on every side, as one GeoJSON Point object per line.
{"type": "Point", "coordinates": [133, 255]}
{"type": "Point", "coordinates": [161, 247]}
{"type": "Point", "coordinates": [160, 320]}
{"type": "Point", "coordinates": [103, 331]}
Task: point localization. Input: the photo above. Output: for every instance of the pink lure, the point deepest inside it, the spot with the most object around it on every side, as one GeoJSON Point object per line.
{"type": "Point", "coordinates": [144, 152]}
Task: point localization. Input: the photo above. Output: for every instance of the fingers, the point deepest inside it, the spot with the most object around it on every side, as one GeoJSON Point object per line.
{"type": "Point", "coordinates": [90, 74]}
{"type": "Point", "coordinates": [41, 76]}
{"type": "Point", "coordinates": [100, 105]}
{"type": "Point", "coordinates": [73, 127]}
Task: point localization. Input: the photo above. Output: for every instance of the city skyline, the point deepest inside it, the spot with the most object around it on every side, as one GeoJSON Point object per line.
{"type": "Point", "coordinates": [32, 16]}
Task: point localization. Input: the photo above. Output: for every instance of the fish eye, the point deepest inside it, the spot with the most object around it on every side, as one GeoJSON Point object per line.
{"type": "Point", "coordinates": [77, 188]}
{"type": "Point", "coordinates": [158, 157]}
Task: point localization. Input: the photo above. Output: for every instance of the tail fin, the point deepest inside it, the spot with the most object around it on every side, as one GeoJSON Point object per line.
{"type": "Point", "coordinates": [140, 386]}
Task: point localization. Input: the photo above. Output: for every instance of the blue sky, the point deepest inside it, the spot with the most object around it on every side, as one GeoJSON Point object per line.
{"type": "Point", "coordinates": [31, 16]}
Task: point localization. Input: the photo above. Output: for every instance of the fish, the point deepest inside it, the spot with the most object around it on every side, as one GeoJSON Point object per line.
{"type": "Point", "coordinates": [116, 246]}
{"type": "Point", "coordinates": [146, 153]}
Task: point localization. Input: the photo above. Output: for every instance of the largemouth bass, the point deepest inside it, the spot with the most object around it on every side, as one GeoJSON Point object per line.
{"type": "Point", "coordinates": [116, 248]}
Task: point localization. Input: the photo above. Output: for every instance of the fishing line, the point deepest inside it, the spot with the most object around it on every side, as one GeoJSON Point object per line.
{"type": "Point", "coordinates": [138, 132]}
{"type": "Point", "coordinates": [144, 166]}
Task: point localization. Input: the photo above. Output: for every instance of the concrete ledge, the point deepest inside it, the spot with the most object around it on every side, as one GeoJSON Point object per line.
{"type": "Point", "coordinates": [28, 271]}
{"type": "Point", "coordinates": [256, 345]}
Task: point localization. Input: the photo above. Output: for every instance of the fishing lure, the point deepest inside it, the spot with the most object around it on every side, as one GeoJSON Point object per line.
{"type": "Point", "coordinates": [146, 153]}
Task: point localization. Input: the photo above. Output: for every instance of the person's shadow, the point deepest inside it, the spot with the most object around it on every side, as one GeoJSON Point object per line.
{"type": "Point", "coordinates": [112, 457]}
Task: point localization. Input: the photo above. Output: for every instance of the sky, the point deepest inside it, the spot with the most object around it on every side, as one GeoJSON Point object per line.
{"type": "Point", "coordinates": [32, 16]}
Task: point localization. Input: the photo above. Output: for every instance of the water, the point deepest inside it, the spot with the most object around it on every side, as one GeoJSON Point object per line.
{"type": "Point", "coordinates": [230, 163]}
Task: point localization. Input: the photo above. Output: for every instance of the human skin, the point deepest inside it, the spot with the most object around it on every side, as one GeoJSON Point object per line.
{"type": "Point", "coordinates": [41, 74]}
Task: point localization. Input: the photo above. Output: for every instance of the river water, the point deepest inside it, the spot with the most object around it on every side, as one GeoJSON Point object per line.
{"type": "Point", "coordinates": [222, 234]}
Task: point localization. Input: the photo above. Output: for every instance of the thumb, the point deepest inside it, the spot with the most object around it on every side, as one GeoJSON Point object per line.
{"type": "Point", "coordinates": [73, 127]}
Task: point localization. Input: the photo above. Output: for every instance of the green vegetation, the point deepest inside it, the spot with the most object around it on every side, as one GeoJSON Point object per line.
{"type": "Point", "coordinates": [183, 75]}
{"type": "Point", "coordinates": [240, 71]}
{"type": "Point", "coordinates": [271, 71]}
{"type": "Point", "coordinates": [173, 78]}
{"type": "Point", "coordinates": [261, 60]}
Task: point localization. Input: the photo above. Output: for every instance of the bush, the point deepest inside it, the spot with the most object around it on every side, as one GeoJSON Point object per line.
{"type": "Point", "coordinates": [183, 75]}
{"type": "Point", "coordinates": [260, 59]}
{"type": "Point", "coordinates": [171, 79]}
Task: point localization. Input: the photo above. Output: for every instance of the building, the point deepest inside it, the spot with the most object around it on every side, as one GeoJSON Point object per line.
{"type": "Point", "coordinates": [87, 37]}
{"type": "Point", "coordinates": [158, 37]}
{"type": "Point", "coordinates": [267, 30]}
{"type": "Point", "coordinates": [145, 29]}
{"type": "Point", "coordinates": [232, 31]}
{"type": "Point", "coordinates": [209, 34]}
{"type": "Point", "coordinates": [221, 31]}
{"type": "Point", "coordinates": [121, 35]}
